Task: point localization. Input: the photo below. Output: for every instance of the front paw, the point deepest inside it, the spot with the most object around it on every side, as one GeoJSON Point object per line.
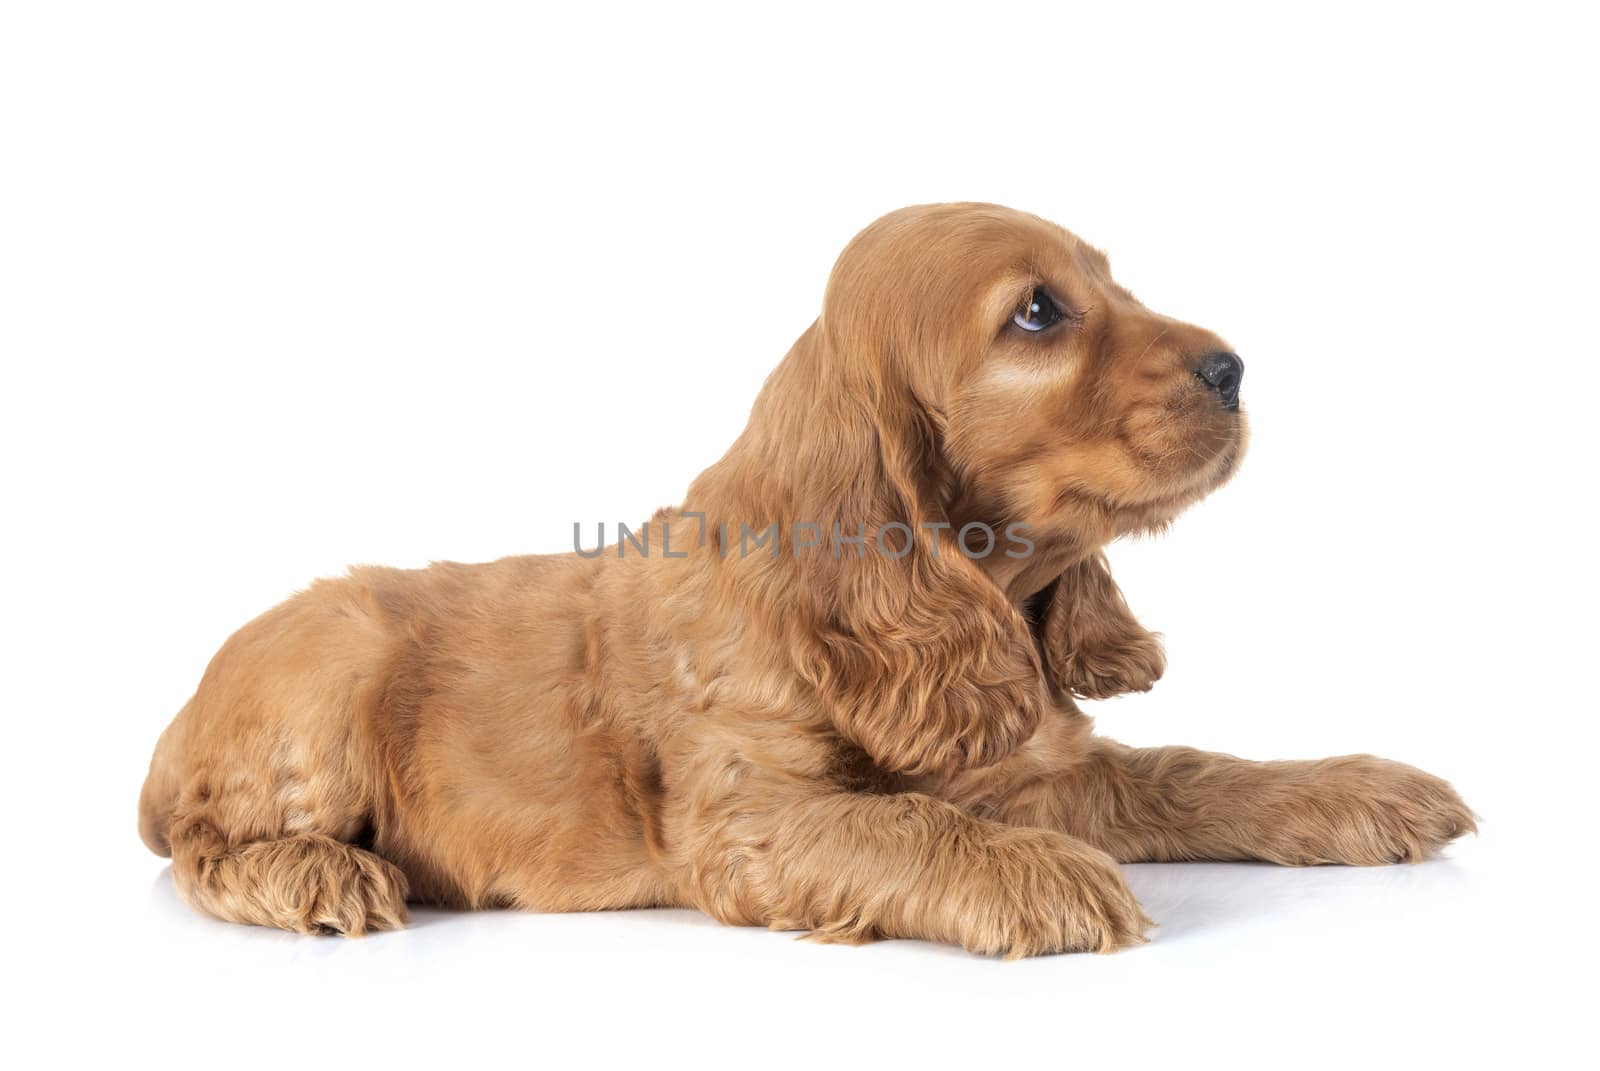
{"type": "Point", "coordinates": [1041, 893]}
{"type": "Point", "coordinates": [1364, 811]}
{"type": "Point", "coordinates": [1132, 662]}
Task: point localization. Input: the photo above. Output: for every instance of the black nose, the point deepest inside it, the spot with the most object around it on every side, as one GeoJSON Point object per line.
{"type": "Point", "coordinates": [1222, 372]}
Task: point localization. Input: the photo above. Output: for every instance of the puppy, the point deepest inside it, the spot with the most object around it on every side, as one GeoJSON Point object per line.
{"type": "Point", "coordinates": [835, 694]}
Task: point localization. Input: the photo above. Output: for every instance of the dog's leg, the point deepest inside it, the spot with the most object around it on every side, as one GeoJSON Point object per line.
{"type": "Point", "coordinates": [852, 867]}
{"type": "Point", "coordinates": [1157, 804]}
{"type": "Point", "coordinates": [307, 883]}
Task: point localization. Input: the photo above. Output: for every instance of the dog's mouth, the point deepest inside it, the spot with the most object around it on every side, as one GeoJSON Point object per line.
{"type": "Point", "coordinates": [1155, 510]}
{"type": "Point", "coordinates": [1208, 479]}
{"type": "Point", "coordinates": [1222, 433]}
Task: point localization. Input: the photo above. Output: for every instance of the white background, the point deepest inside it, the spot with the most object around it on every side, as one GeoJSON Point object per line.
{"type": "Point", "coordinates": [289, 286]}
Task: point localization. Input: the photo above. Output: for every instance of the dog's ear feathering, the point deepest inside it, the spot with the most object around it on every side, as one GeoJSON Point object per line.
{"type": "Point", "coordinates": [920, 658]}
{"type": "Point", "coordinates": [924, 673]}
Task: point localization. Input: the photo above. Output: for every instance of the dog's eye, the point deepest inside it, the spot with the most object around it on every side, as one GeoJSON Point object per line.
{"type": "Point", "coordinates": [1039, 313]}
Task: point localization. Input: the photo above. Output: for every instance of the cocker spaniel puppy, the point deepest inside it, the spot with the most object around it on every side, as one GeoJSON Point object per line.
{"type": "Point", "coordinates": [833, 691]}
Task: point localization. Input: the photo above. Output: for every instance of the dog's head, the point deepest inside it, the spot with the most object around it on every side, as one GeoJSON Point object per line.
{"type": "Point", "coordinates": [974, 369]}
{"type": "Point", "coordinates": [1053, 396]}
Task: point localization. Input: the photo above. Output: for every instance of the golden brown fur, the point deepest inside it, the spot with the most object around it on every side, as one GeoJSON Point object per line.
{"type": "Point", "coordinates": [856, 746]}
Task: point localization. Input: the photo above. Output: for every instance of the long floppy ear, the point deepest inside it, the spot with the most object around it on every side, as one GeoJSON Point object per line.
{"type": "Point", "coordinates": [1092, 645]}
{"type": "Point", "coordinates": [919, 657]}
